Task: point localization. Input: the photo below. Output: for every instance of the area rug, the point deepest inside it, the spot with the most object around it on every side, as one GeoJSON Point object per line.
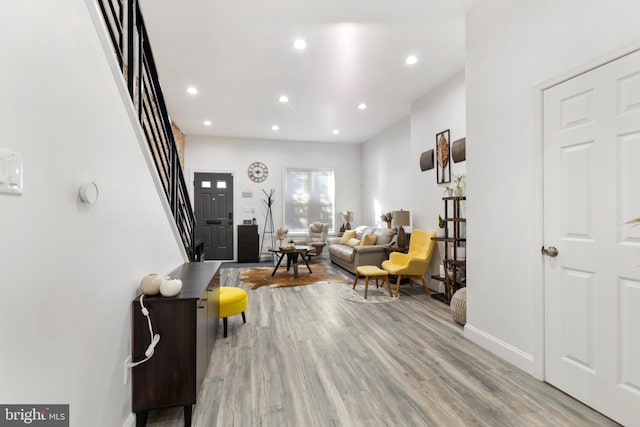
{"type": "Point", "coordinates": [374, 295]}
{"type": "Point", "coordinates": [257, 277]}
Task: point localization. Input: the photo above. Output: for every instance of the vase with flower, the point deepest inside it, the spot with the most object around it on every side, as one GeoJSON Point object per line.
{"type": "Point", "coordinates": [281, 234]}
{"type": "Point", "coordinates": [387, 217]}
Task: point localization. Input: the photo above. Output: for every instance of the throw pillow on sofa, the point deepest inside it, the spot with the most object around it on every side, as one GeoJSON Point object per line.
{"type": "Point", "coordinates": [353, 242]}
{"type": "Point", "coordinates": [350, 234]}
{"type": "Point", "coordinates": [369, 239]}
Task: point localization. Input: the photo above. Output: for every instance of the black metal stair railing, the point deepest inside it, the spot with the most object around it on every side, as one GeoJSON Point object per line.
{"type": "Point", "coordinates": [130, 41]}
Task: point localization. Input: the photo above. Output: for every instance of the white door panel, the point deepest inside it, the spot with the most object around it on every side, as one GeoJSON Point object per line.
{"type": "Point", "coordinates": [591, 188]}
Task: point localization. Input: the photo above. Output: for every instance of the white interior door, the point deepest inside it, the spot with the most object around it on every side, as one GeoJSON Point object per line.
{"type": "Point", "coordinates": [592, 287]}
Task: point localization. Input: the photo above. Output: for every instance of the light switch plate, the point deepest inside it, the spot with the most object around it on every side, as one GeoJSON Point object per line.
{"type": "Point", "coordinates": [10, 172]}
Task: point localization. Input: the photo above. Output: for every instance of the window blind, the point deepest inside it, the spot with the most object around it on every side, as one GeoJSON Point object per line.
{"type": "Point", "coordinates": [309, 196]}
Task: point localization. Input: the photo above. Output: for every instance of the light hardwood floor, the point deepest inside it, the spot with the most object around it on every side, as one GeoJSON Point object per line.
{"type": "Point", "coordinates": [308, 358]}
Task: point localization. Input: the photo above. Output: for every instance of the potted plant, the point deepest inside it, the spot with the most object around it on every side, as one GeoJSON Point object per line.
{"type": "Point", "coordinates": [441, 225]}
{"type": "Point", "coordinates": [460, 185]}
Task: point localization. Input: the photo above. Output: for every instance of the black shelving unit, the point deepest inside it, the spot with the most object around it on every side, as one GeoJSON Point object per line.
{"type": "Point", "coordinates": [452, 239]}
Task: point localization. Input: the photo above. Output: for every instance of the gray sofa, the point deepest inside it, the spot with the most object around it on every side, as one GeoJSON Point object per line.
{"type": "Point", "coordinates": [351, 256]}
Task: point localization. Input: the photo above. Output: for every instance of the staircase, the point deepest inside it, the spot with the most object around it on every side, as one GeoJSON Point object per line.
{"type": "Point", "coordinates": [132, 49]}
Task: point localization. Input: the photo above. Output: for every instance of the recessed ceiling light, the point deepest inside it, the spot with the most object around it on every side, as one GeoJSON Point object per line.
{"type": "Point", "coordinates": [275, 127]}
{"type": "Point", "coordinates": [335, 132]}
{"type": "Point", "coordinates": [283, 99]}
{"type": "Point", "coordinates": [192, 90]}
{"type": "Point", "coordinates": [300, 44]}
{"type": "Point", "coordinates": [411, 60]}
{"type": "Point", "coordinates": [362, 106]}
{"type": "Point", "coordinates": [207, 123]}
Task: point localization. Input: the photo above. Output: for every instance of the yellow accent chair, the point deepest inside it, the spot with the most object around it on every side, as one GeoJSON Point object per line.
{"type": "Point", "coordinates": [415, 263]}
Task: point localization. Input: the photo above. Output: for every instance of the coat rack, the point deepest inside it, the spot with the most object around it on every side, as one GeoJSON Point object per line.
{"type": "Point", "coordinates": [268, 220]}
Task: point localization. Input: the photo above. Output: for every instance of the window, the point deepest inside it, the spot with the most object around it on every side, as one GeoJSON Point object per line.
{"type": "Point", "coordinates": [308, 197]}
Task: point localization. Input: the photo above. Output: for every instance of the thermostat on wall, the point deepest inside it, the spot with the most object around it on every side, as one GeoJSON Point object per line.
{"type": "Point", "coordinates": [10, 172]}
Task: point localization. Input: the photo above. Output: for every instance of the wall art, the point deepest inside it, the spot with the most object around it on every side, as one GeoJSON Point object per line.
{"type": "Point", "coordinates": [459, 150]}
{"type": "Point", "coordinates": [443, 157]}
{"type": "Point", "coordinates": [426, 160]}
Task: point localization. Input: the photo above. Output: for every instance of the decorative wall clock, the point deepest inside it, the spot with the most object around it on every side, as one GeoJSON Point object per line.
{"type": "Point", "coordinates": [258, 171]}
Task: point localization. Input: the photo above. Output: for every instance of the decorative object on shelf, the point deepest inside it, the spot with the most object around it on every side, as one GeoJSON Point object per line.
{"type": "Point", "coordinates": [459, 187]}
{"type": "Point", "coordinates": [347, 219]}
{"type": "Point", "coordinates": [170, 287]}
{"type": "Point", "coordinates": [150, 284]}
{"type": "Point", "coordinates": [458, 150]}
{"type": "Point", "coordinates": [258, 171]}
{"type": "Point", "coordinates": [387, 218]}
{"type": "Point", "coordinates": [399, 220]}
{"type": "Point", "coordinates": [281, 234]}
{"type": "Point", "coordinates": [451, 270]}
{"type": "Point", "coordinates": [426, 160]}
{"type": "Point", "coordinates": [442, 149]}
{"type": "Point", "coordinates": [461, 253]}
{"type": "Point", "coordinates": [441, 226]}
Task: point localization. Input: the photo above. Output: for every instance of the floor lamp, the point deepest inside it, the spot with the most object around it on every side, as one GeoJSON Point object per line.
{"type": "Point", "coordinates": [400, 219]}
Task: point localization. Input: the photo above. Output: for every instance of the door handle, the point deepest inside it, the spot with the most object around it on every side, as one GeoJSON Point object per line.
{"type": "Point", "coordinates": [551, 251]}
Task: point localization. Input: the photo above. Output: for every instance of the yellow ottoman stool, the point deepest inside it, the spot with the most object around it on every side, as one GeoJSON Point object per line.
{"type": "Point", "coordinates": [371, 271]}
{"type": "Point", "coordinates": [232, 301]}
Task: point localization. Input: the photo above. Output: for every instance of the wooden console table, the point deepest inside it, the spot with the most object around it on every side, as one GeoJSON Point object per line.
{"type": "Point", "coordinates": [188, 326]}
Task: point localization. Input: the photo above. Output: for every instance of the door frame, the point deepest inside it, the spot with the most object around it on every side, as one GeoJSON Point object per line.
{"type": "Point", "coordinates": [537, 161]}
{"type": "Point", "coordinates": [191, 189]}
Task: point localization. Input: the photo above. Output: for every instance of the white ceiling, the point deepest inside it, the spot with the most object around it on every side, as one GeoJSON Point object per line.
{"type": "Point", "coordinates": [240, 56]}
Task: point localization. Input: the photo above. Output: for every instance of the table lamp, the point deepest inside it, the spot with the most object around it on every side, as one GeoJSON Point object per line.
{"type": "Point", "coordinates": [400, 219]}
{"type": "Point", "coordinates": [347, 217]}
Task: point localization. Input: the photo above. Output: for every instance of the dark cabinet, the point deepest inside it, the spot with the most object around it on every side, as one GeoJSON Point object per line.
{"type": "Point", "coordinates": [248, 243]}
{"type": "Point", "coordinates": [188, 326]}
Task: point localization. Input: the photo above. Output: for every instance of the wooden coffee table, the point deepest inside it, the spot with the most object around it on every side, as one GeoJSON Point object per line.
{"type": "Point", "coordinates": [292, 258]}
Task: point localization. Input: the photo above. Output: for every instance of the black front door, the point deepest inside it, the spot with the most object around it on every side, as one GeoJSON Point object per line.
{"type": "Point", "coordinates": [214, 214]}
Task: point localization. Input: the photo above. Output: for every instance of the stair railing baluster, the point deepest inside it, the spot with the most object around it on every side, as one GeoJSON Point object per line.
{"type": "Point", "coordinates": [148, 101]}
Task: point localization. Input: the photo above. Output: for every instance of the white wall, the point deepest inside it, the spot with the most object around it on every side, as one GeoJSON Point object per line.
{"type": "Point", "coordinates": [234, 155]}
{"type": "Point", "coordinates": [392, 178]}
{"type": "Point", "coordinates": [69, 271]}
{"type": "Point", "coordinates": [512, 48]}
{"type": "Point", "coordinates": [386, 164]}
{"type": "Point", "coordinates": [441, 109]}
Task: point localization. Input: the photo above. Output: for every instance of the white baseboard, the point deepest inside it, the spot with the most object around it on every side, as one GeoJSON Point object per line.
{"type": "Point", "coordinates": [130, 421]}
{"type": "Point", "coordinates": [500, 348]}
